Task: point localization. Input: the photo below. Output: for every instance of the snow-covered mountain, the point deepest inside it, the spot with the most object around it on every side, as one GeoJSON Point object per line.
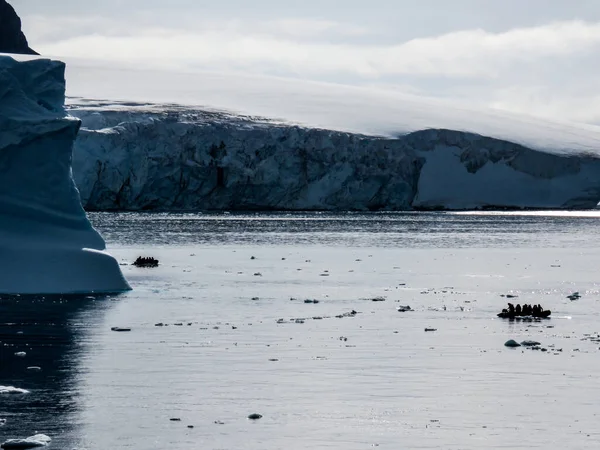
{"type": "Point", "coordinates": [47, 245]}
{"type": "Point", "coordinates": [270, 143]}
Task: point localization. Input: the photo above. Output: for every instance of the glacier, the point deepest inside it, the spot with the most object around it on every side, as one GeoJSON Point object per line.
{"type": "Point", "coordinates": [47, 244]}
{"type": "Point", "coordinates": [156, 139]}
{"type": "Point", "coordinates": [132, 156]}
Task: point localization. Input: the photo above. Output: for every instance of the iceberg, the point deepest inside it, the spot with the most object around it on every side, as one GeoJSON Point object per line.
{"type": "Point", "coordinates": [47, 244]}
{"type": "Point", "coordinates": [38, 440]}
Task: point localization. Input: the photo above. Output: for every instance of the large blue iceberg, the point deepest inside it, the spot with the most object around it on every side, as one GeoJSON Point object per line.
{"type": "Point", "coordinates": [47, 244]}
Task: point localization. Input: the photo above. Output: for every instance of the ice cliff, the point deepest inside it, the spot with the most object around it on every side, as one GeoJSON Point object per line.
{"type": "Point", "coordinates": [47, 245]}
{"type": "Point", "coordinates": [147, 157]}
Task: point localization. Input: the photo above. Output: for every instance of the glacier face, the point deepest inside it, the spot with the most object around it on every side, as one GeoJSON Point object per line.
{"type": "Point", "coordinates": [145, 157]}
{"type": "Point", "coordinates": [47, 245]}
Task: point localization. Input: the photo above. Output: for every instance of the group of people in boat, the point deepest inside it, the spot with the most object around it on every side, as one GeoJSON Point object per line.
{"type": "Point", "coordinates": [525, 310]}
{"type": "Point", "coordinates": [143, 261]}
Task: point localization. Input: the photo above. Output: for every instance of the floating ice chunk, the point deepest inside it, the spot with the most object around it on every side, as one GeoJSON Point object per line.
{"type": "Point", "coordinates": [34, 368]}
{"type": "Point", "coordinates": [12, 390]}
{"type": "Point", "coordinates": [21, 354]}
{"type": "Point", "coordinates": [39, 440]}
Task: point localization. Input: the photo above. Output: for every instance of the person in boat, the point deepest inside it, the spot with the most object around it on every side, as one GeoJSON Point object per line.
{"type": "Point", "coordinates": [511, 308]}
{"type": "Point", "coordinates": [518, 309]}
{"type": "Point", "coordinates": [540, 309]}
{"type": "Point", "coordinates": [527, 310]}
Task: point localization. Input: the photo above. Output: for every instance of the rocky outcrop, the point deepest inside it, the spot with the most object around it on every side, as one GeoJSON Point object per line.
{"type": "Point", "coordinates": [12, 39]}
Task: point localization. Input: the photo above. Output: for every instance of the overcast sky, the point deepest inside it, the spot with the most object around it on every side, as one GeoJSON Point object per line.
{"type": "Point", "coordinates": [533, 56]}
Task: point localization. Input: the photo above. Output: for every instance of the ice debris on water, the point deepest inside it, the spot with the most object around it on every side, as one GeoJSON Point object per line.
{"type": "Point", "coordinates": [12, 390]}
{"type": "Point", "coordinates": [254, 416]}
{"type": "Point", "coordinates": [512, 343]}
{"type": "Point", "coordinates": [21, 354]}
{"type": "Point", "coordinates": [39, 440]}
{"type": "Point", "coordinates": [120, 329]}
{"type": "Point", "coordinates": [404, 308]}
{"type": "Point", "coordinates": [529, 343]}
{"type": "Point", "coordinates": [574, 296]}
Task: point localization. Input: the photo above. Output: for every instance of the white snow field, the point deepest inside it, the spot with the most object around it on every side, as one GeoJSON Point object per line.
{"type": "Point", "coordinates": [47, 244]}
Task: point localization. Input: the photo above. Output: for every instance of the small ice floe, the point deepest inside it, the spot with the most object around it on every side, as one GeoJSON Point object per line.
{"type": "Point", "coordinates": [404, 308]}
{"type": "Point", "coordinates": [39, 440]}
{"type": "Point", "coordinates": [12, 390]}
{"type": "Point", "coordinates": [120, 329]}
{"type": "Point", "coordinates": [254, 416]}
{"type": "Point", "coordinates": [34, 368]}
{"type": "Point", "coordinates": [529, 343]}
{"type": "Point", "coordinates": [2, 422]}
{"type": "Point", "coordinates": [378, 299]}
{"type": "Point", "coordinates": [21, 354]}
{"type": "Point", "coordinates": [512, 343]}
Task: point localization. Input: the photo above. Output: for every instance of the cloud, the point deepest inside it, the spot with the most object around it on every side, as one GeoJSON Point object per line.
{"type": "Point", "coordinates": [525, 69]}
{"type": "Point", "coordinates": [289, 45]}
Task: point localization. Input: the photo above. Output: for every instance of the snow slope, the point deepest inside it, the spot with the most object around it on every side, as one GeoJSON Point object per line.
{"type": "Point", "coordinates": [320, 105]}
{"type": "Point", "coordinates": [47, 245]}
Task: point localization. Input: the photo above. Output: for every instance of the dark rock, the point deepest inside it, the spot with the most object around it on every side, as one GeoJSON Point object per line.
{"type": "Point", "coordinates": [175, 419]}
{"type": "Point", "coordinates": [430, 329]}
{"type": "Point", "coordinates": [12, 39]}
{"type": "Point", "coordinates": [254, 416]}
{"type": "Point", "coordinates": [120, 329]}
{"type": "Point", "coordinates": [404, 308]}
{"type": "Point", "coordinates": [512, 343]}
{"type": "Point", "coordinates": [530, 343]}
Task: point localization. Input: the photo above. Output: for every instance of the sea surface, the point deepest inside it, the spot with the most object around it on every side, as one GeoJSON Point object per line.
{"type": "Point", "coordinates": [221, 330]}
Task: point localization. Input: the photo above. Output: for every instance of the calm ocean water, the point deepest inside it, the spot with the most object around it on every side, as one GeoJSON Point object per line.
{"type": "Point", "coordinates": [238, 338]}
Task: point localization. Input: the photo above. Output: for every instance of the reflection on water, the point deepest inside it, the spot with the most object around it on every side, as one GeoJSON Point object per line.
{"type": "Point", "coordinates": [384, 230]}
{"type": "Point", "coordinates": [51, 331]}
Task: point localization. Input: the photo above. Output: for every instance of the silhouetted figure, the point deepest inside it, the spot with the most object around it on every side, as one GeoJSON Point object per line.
{"type": "Point", "coordinates": [534, 310]}
{"type": "Point", "coordinates": [518, 309]}
{"type": "Point", "coordinates": [511, 308]}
